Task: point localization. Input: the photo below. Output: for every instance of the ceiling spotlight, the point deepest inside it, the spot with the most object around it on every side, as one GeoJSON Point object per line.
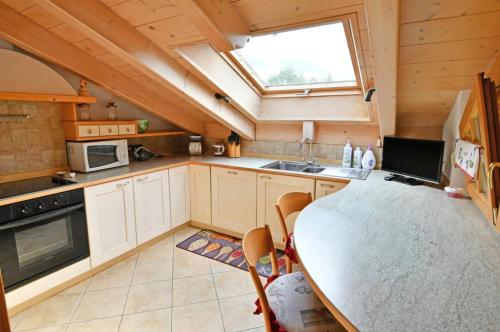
{"type": "Point", "coordinates": [368, 96]}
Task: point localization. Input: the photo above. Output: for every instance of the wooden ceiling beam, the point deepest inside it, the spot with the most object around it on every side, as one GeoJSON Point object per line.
{"type": "Point", "coordinates": [23, 32]}
{"type": "Point", "coordinates": [99, 23]}
{"type": "Point", "coordinates": [383, 27]}
{"type": "Point", "coordinates": [218, 21]}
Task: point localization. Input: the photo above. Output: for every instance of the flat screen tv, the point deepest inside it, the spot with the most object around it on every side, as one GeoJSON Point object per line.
{"type": "Point", "coordinates": [414, 158]}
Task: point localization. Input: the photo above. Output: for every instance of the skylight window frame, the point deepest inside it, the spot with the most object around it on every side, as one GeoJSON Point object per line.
{"type": "Point", "coordinates": [352, 35]}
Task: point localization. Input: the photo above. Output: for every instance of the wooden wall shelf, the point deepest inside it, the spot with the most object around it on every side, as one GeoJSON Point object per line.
{"type": "Point", "coordinates": [139, 135]}
{"type": "Point", "coordinates": [18, 96]}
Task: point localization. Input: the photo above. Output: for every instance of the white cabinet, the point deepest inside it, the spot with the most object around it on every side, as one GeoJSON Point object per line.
{"type": "Point", "coordinates": [269, 189]}
{"type": "Point", "coordinates": [234, 199]}
{"type": "Point", "coordinates": [110, 220]}
{"type": "Point", "coordinates": [324, 188]}
{"type": "Point", "coordinates": [152, 205]}
{"type": "Point", "coordinates": [180, 206]}
{"type": "Point", "coordinates": [199, 179]}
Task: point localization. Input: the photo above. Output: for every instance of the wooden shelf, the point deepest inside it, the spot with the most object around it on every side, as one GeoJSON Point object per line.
{"type": "Point", "coordinates": [18, 96]}
{"type": "Point", "coordinates": [160, 133]}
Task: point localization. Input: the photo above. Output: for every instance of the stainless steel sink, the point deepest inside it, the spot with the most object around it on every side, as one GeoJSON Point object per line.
{"type": "Point", "coordinates": [286, 166]}
{"type": "Point", "coordinates": [334, 171]}
{"type": "Point", "coordinates": [313, 169]}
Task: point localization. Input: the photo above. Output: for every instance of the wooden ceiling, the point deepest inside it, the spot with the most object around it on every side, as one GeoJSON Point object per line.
{"type": "Point", "coordinates": [441, 45]}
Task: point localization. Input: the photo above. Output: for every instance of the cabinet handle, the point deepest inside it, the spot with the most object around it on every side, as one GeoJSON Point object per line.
{"type": "Point", "coordinates": [324, 185]}
{"type": "Point", "coordinates": [232, 172]}
{"type": "Point", "coordinates": [127, 130]}
{"type": "Point", "coordinates": [109, 130]}
{"type": "Point", "coordinates": [140, 180]}
{"type": "Point", "coordinates": [89, 131]}
{"type": "Point", "coordinates": [121, 185]}
{"type": "Point", "coordinates": [265, 177]}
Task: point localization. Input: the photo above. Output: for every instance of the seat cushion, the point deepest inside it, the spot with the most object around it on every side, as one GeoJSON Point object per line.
{"type": "Point", "coordinates": [296, 306]}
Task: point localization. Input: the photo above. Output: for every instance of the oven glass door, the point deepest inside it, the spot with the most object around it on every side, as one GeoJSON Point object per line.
{"type": "Point", "coordinates": [32, 247]}
{"type": "Point", "coordinates": [102, 156]}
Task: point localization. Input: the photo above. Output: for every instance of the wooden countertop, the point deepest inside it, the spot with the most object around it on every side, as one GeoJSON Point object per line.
{"type": "Point", "coordinates": [385, 256]}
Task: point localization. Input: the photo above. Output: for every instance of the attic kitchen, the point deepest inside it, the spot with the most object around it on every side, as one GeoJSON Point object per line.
{"type": "Point", "coordinates": [248, 165]}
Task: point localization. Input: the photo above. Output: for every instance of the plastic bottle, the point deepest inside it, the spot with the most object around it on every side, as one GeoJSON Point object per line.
{"type": "Point", "coordinates": [346, 161]}
{"type": "Point", "coordinates": [369, 160]}
{"type": "Point", "coordinates": [356, 161]}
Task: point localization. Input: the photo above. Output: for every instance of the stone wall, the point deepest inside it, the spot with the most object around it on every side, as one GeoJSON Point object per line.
{"type": "Point", "coordinates": [33, 144]}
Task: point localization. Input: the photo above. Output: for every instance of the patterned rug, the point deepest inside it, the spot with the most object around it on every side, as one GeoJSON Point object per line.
{"type": "Point", "coordinates": [227, 249]}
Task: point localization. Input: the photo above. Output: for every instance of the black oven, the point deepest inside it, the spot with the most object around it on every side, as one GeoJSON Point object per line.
{"type": "Point", "coordinates": [42, 235]}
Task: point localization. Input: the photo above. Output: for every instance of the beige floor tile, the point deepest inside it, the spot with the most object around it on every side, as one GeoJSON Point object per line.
{"type": "Point", "coordinates": [193, 290]}
{"type": "Point", "coordinates": [233, 283]}
{"type": "Point", "coordinates": [218, 267]}
{"type": "Point", "coordinates": [55, 328]}
{"type": "Point", "coordinates": [204, 316]}
{"type": "Point", "coordinates": [185, 233]}
{"type": "Point", "coordinates": [101, 304]}
{"type": "Point", "coordinates": [151, 321]}
{"type": "Point", "coordinates": [149, 297]}
{"type": "Point", "coordinates": [237, 313]}
{"type": "Point", "coordinates": [119, 275]}
{"type": "Point", "coordinates": [159, 251]}
{"type": "Point", "coordinates": [258, 329]}
{"type": "Point", "coordinates": [15, 319]}
{"type": "Point", "coordinates": [190, 266]}
{"type": "Point", "coordinates": [53, 311]}
{"type": "Point", "coordinates": [148, 272]}
{"type": "Point", "coordinates": [102, 325]}
{"type": "Point", "coordinates": [78, 288]}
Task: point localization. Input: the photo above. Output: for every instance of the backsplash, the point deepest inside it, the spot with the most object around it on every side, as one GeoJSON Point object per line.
{"type": "Point", "coordinates": [33, 144]}
{"type": "Point", "coordinates": [325, 153]}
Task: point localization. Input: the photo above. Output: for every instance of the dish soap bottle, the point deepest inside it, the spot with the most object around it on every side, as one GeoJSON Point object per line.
{"type": "Point", "coordinates": [369, 160]}
{"type": "Point", "coordinates": [346, 161]}
{"type": "Point", "coordinates": [358, 154]}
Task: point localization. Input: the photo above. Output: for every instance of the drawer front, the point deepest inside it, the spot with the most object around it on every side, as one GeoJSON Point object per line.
{"type": "Point", "coordinates": [126, 129]}
{"type": "Point", "coordinates": [108, 130]}
{"type": "Point", "coordinates": [88, 131]}
{"type": "Point", "coordinates": [325, 188]}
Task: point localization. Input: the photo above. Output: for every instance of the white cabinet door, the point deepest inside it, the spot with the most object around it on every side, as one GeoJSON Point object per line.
{"type": "Point", "coordinates": [180, 206]}
{"type": "Point", "coordinates": [324, 188]}
{"type": "Point", "coordinates": [234, 199]}
{"type": "Point", "coordinates": [152, 205]}
{"type": "Point", "coordinates": [199, 179]}
{"type": "Point", "coordinates": [110, 220]}
{"type": "Point", "coordinates": [269, 189]}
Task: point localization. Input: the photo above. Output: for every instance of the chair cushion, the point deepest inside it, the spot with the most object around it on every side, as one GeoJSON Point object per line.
{"type": "Point", "coordinates": [296, 306]}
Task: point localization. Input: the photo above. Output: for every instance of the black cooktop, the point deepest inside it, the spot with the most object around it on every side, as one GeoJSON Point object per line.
{"type": "Point", "coordinates": [27, 186]}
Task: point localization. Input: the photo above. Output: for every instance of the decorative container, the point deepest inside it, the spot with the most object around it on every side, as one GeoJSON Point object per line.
{"type": "Point", "coordinates": [142, 125]}
{"type": "Point", "coordinates": [83, 112]}
{"type": "Point", "coordinates": [112, 110]}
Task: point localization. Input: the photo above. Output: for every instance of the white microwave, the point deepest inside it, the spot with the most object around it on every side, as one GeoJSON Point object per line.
{"type": "Point", "coordinates": [95, 156]}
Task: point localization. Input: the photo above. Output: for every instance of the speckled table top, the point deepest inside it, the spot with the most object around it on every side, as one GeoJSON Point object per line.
{"type": "Point", "coordinates": [391, 257]}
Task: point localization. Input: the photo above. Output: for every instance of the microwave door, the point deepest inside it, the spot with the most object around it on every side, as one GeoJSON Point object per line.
{"type": "Point", "coordinates": [102, 156]}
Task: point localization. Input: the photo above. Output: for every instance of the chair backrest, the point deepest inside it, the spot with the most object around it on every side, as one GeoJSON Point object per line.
{"type": "Point", "coordinates": [4, 316]}
{"type": "Point", "coordinates": [289, 203]}
{"type": "Point", "coordinates": [257, 243]}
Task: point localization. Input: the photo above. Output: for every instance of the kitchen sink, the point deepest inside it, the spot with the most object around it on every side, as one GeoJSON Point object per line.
{"type": "Point", "coordinates": [313, 169]}
{"type": "Point", "coordinates": [334, 171]}
{"type": "Point", "coordinates": [286, 166]}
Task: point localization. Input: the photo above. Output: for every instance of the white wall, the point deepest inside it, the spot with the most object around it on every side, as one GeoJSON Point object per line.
{"type": "Point", "coordinates": [450, 134]}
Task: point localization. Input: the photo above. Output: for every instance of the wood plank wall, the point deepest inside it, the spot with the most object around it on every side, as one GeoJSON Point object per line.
{"type": "Point", "coordinates": [442, 45]}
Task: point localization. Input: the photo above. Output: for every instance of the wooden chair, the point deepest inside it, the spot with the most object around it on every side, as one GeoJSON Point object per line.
{"type": "Point", "coordinates": [287, 301]}
{"type": "Point", "coordinates": [287, 204]}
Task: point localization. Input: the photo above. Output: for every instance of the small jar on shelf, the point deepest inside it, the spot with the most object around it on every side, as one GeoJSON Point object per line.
{"type": "Point", "coordinates": [112, 110]}
{"type": "Point", "coordinates": [83, 112]}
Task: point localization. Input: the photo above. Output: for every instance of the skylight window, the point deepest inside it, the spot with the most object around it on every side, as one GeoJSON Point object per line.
{"type": "Point", "coordinates": [311, 57]}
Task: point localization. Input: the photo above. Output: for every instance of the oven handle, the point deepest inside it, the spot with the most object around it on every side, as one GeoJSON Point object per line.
{"type": "Point", "coordinates": [41, 217]}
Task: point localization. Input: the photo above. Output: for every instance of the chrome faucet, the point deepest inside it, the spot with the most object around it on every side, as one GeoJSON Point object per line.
{"type": "Point", "coordinates": [311, 160]}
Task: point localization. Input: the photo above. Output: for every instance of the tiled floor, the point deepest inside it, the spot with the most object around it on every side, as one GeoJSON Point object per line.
{"type": "Point", "coordinates": [163, 288]}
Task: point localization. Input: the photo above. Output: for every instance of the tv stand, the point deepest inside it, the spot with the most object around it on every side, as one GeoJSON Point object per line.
{"type": "Point", "coordinates": [404, 179]}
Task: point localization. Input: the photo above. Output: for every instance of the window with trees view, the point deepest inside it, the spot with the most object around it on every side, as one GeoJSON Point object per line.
{"type": "Point", "coordinates": [306, 58]}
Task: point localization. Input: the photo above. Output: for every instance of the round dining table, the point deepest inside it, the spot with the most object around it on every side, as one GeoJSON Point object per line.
{"type": "Point", "coordinates": [386, 256]}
